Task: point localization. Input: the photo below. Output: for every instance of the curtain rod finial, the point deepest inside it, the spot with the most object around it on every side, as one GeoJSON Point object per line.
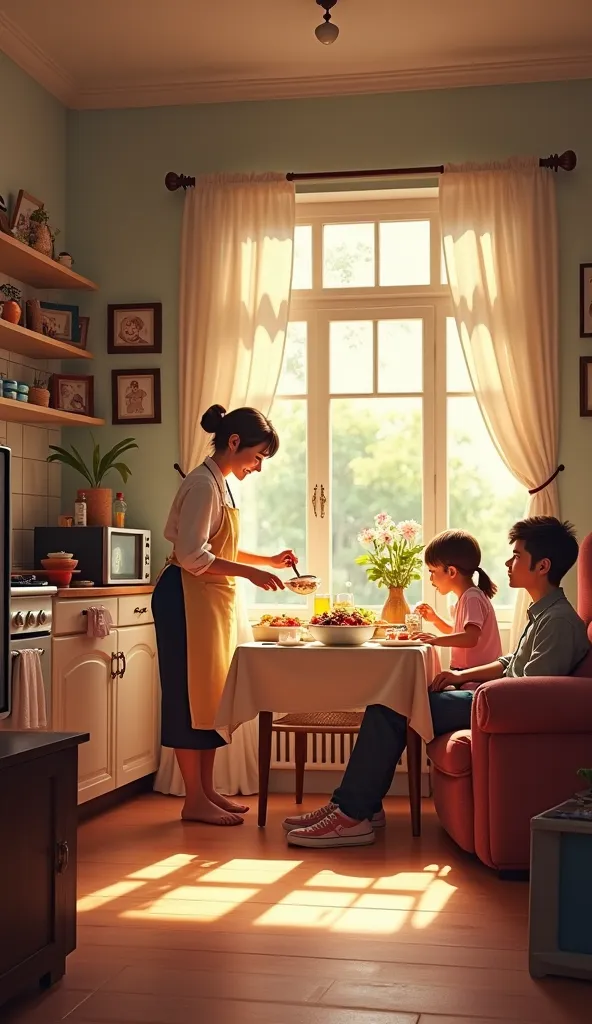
{"type": "Point", "coordinates": [175, 181]}
{"type": "Point", "coordinates": [564, 161]}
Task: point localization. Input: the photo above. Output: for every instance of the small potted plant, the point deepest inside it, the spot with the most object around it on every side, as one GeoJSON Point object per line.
{"type": "Point", "coordinates": [41, 235]}
{"type": "Point", "coordinates": [39, 393]}
{"type": "Point", "coordinates": [392, 560]}
{"type": "Point", "coordinates": [99, 499]}
{"type": "Point", "coordinates": [11, 303]}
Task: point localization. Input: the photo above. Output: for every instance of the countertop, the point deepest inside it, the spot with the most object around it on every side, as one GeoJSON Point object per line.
{"type": "Point", "coordinates": [18, 747]}
{"type": "Point", "coordinates": [84, 593]}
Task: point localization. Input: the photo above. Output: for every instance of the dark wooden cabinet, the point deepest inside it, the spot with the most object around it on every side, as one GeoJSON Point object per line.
{"type": "Point", "coordinates": [38, 823]}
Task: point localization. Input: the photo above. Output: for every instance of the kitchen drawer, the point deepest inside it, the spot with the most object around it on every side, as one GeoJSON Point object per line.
{"type": "Point", "coordinates": [135, 610]}
{"type": "Point", "coordinates": [69, 617]}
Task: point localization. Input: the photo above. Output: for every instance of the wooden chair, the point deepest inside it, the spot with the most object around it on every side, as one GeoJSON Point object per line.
{"type": "Point", "coordinates": [332, 723]}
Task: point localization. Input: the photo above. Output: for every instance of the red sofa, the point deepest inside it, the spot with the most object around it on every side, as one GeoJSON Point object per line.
{"type": "Point", "coordinates": [528, 737]}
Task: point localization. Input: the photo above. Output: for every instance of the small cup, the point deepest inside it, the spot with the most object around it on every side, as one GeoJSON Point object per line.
{"type": "Point", "coordinates": [289, 637]}
{"type": "Point", "coordinates": [413, 623]}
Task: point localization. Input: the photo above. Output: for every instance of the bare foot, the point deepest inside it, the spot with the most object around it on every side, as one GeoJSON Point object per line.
{"type": "Point", "coordinates": [226, 804]}
{"type": "Point", "coordinates": [210, 814]}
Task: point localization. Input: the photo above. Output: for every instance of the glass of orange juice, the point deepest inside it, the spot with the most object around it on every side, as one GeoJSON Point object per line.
{"type": "Point", "coordinates": [322, 603]}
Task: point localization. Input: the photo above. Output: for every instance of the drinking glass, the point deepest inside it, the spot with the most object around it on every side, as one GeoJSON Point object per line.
{"type": "Point", "coordinates": [289, 637]}
{"type": "Point", "coordinates": [346, 600]}
{"type": "Point", "coordinates": [322, 603]}
{"type": "Point", "coordinates": [413, 623]}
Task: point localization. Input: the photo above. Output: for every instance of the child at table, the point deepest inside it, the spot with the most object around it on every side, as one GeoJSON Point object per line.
{"type": "Point", "coordinates": [453, 558]}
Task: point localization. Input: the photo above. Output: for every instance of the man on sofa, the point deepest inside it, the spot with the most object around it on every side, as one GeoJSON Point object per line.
{"type": "Point", "coordinates": [553, 643]}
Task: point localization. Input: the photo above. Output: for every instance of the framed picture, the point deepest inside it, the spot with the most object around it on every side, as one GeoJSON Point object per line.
{"type": "Point", "coordinates": [136, 396]}
{"type": "Point", "coordinates": [72, 392]}
{"type": "Point", "coordinates": [134, 328]}
{"type": "Point", "coordinates": [4, 221]}
{"type": "Point", "coordinates": [21, 215]}
{"type": "Point", "coordinates": [60, 322]}
{"type": "Point", "coordinates": [585, 300]}
{"type": "Point", "coordinates": [585, 385]}
{"type": "Point", "coordinates": [83, 323]}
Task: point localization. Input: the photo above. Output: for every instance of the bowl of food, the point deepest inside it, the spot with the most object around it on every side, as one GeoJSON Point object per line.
{"type": "Point", "coordinates": [269, 627]}
{"type": "Point", "coordinates": [65, 562]}
{"type": "Point", "coordinates": [341, 628]}
{"type": "Point", "coordinates": [303, 585]}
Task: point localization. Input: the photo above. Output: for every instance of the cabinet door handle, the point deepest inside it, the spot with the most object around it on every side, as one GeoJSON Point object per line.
{"type": "Point", "coordinates": [62, 857]}
{"type": "Point", "coordinates": [114, 664]}
{"type": "Point", "coordinates": [140, 611]}
{"type": "Point", "coordinates": [121, 672]}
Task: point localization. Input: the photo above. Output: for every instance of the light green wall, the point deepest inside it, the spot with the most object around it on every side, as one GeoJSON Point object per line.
{"type": "Point", "coordinates": [33, 149]}
{"type": "Point", "coordinates": [125, 226]}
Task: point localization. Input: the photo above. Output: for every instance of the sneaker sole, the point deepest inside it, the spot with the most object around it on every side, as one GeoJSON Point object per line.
{"type": "Point", "coordinates": [365, 840]}
{"type": "Point", "coordinates": [290, 827]}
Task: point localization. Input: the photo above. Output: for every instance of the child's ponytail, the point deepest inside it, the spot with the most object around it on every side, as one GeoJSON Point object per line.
{"type": "Point", "coordinates": [485, 584]}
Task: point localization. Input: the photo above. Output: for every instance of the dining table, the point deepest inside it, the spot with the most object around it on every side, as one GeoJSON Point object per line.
{"type": "Point", "coordinates": [267, 679]}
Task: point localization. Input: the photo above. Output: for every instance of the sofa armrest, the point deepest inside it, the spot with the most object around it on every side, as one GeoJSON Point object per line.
{"type": "Point", "coordinates": [534, 704]}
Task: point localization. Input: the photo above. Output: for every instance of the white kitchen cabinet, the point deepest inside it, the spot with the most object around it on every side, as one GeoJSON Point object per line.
{"type": "Point", "coordinates": [84, 697]}
{"type": "Point", "coordinates": [109, 688]}
{"type": "Point", "coordinates": [136, 705]}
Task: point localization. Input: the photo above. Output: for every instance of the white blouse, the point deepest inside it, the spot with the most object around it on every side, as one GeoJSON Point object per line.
{"type": "Point", "coordinates": [196, 516]}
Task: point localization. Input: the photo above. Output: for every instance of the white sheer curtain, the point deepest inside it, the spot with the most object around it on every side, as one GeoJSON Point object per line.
{"type": "Point", "coordinates": [499, 232]}
{"type": "Point", "coordinates": [236, 270]}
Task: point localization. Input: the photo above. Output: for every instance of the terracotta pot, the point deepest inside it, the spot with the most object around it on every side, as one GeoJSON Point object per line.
{"type": "Point", "coordinates": [39, 396]}
{"type": "Point", "coordinates": [11, 311]}
{"type": "Point", "coordinates": [99, 505]}
{"type": "Point", "coordinates": [41, 239]}
{"type": "Point", "coordinates": [395, 607]}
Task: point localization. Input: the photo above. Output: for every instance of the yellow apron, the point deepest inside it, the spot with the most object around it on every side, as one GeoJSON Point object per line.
{"type": "Point", "coordinates": [210, 616]}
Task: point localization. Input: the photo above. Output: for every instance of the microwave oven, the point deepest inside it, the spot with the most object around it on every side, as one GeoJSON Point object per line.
{"type": "Point", "coordinates": [107, 555]}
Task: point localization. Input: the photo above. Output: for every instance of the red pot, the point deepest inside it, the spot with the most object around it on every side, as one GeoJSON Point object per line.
{"type": "Point", "coordinates": [11, 311]}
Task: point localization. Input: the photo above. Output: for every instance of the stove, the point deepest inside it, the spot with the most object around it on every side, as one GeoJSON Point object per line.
{"type": "Point", "coordinates": [30, 606]}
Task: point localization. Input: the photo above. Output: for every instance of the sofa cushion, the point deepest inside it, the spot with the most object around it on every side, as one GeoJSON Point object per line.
{"type": "Point", "coordinates": [451, 753]}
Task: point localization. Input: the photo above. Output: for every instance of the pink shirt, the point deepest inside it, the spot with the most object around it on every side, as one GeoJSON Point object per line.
{"type": "Point", "coordinates": [476, 609]}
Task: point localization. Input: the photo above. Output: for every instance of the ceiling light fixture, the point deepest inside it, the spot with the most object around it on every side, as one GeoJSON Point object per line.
{"type": "Point", "coordinates": [327, 32]}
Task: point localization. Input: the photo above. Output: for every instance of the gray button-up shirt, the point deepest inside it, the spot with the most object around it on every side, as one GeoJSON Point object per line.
{"type": "Point", "coordinates": [554, 640]}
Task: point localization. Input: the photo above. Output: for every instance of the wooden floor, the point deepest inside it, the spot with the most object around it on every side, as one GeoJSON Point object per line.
{"type": "Point", "coordinates": [180, 924]}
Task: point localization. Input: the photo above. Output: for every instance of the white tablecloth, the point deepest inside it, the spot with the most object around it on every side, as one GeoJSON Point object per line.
{"type": "Point", "coordinates": [310, 677]}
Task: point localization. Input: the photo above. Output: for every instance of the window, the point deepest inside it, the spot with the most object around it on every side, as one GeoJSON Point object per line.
{"type": "Point", "coordinates": [375, 408]}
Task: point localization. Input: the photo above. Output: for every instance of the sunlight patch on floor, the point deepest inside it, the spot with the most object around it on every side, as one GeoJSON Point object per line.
{"type": "Point", "coordinates": [106, 895]}
{"type": "Point", "coordinates": [253, 872]}
{"type": "Point", "coordinates": [162, 868]}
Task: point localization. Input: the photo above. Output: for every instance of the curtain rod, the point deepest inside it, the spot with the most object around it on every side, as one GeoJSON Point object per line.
{"type": "Point", "coordinates": [566, 161]}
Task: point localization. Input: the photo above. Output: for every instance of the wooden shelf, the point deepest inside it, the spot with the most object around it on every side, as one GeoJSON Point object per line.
{"type": "Point", "coordinates": [24, 412]}
{"type": "Point", "coordinates": [19, 261]}
{"type": "Point", "coordinates": [37, 346]}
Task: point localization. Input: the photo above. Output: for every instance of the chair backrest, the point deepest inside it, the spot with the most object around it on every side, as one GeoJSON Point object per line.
{"type": "Point", "coordinates": [585, 600]}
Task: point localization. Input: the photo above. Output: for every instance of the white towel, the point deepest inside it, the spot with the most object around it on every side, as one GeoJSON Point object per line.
{"type": "Point", "coordinates": [99, 621]}
{"type": "Point", "coordinates": [28, 692]}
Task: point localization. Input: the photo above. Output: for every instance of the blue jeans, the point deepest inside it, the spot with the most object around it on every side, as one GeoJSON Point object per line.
{"type": "Point", "coordinates": [380, 745]}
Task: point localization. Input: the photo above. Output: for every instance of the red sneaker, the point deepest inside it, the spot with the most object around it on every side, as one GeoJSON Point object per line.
{"type": "Point", "coordinates": [335, 829]}
{"type": "Point", "coordinates": [312, 817]}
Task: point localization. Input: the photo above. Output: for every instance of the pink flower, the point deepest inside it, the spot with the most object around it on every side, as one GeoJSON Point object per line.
{"type": "Point", "coordinates": [385, 537]}
{"type": "Point", "coordinates": [409, 530]}
{"type": "Point", "coordinates": [367, 536]}
{"type": "Point", "coordinates": [382, 519]}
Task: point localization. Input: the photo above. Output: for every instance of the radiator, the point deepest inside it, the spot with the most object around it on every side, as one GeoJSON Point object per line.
{"type": "Point", "coordinates": [325, 752]}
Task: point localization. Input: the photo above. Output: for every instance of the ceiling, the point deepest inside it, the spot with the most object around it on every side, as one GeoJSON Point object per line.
{"type": "Point", "coordinates": [135, 53]}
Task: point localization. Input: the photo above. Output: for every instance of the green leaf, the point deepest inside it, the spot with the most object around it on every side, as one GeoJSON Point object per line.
{"type": "Point", "coordinates": [110, 457]}
{"type": "Point", "coordinates": [123, 470]}
{"type": "Point", "coordinates": [96, 461]}
{"type": "Point", "coordinates": [75, 461]}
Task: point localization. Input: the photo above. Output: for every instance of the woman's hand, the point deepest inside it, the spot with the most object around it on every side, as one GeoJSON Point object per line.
{"type": "Point", "coordinates": [285, 560]}
{"type": "Point", "coordinates": [264, 580]}
{"type": "Point", "coordinates": [444, 680]}
{"type": "Point", "coordinates": [426, 611]}
{"type": "Point", "coordinates": [425, 638]}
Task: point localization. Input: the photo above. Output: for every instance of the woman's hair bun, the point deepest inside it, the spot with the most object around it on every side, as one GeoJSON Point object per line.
{"type": "Point", "coordinates": [212, 418]}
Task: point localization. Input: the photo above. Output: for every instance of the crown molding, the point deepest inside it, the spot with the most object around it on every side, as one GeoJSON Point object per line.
{"type": "Point", "coordinates": [32, 59]}
{"type": "Point", "coordinates": [21, 49]}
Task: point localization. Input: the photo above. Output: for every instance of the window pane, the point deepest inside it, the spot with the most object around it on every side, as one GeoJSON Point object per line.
{"type": "Point", "coordinates": [348, 256]}
{"type": "Point", "coordinates": [457, 375]}
{"type": "Point", "coordinates": [351, 357]}
{"type": "Point", "coordinates": [483, 496]}
{"type": "Point", "coordinates": [273, 504]}
{"type": "Point", "coordinates": [405, 252]}
{"type": "Point", "coordinates": [376, 466]}
{"type": "Point", "coordinates": [302, 270]}
{"type": "Point", "coordinates": [293, 376]}
{"type": "Point", "coordinates": [400, 355]}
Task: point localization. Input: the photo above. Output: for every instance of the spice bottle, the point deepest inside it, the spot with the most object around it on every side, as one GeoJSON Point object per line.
{"type": "Point", "coordinates": [80, 510]}
{"type": "Point", "coordinates": [119, 510]}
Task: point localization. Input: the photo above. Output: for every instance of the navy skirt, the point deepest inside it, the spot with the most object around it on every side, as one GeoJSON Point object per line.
{"type": "Point", "coordinates": [168, 608]}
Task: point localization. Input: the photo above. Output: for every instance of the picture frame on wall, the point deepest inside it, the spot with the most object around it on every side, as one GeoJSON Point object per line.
{"type": "Point", "coordinates": [73, 392]}
{"type": "Point", "coordinates": [83, 325]}
{"type": "Point", "coordinates": [20, 222]}
{"type": "Point", "coordinates": [585, 300]}
{"type": "Point", "coordinates": [134, 327]}
{"type": "Point", "coordinates": [136, 396]}
{"type": "Point", "coordinates": [585, 385]}
{"type": "Point", "coordinates": [60, 322]}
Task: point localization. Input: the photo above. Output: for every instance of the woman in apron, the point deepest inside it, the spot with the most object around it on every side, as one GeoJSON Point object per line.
{"type": "Point", "coordinates": [194, 602]}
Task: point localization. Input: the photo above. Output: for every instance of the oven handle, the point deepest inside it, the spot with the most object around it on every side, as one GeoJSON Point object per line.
{"type": "Point", "coordinates": [38, 650]}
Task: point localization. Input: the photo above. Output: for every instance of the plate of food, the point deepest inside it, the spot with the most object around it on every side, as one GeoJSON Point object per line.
{"type": "Point", "coordinates": [398, 638]}
{"type": "Point", "coordinates": [342, 627]}
{"type": "Point", "coordinates": [269, 627]}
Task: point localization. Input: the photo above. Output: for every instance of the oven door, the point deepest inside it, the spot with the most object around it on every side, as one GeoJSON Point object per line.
{"type": "Point", "coordinates": [5, 541]}
{"type": "Point", "coordinates": [43, 645]}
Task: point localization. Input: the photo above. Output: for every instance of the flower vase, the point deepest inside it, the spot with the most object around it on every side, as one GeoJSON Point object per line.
{"type": "Point", "coordinates": [11, 311]}
{"type": "Point", "coordinates": [395, 607]}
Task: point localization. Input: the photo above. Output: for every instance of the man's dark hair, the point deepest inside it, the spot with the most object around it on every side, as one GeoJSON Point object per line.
{"type": "Point", "coordinates": [547, 537]}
